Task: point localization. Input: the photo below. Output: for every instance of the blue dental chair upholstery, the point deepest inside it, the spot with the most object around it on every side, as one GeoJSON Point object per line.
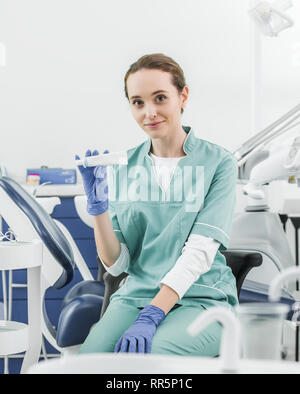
{"type": "Point", "coordinates": [87, 301]}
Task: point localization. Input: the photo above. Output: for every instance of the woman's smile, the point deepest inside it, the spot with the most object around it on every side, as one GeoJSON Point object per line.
{"type": "Point", "coordinates": [155, 125]}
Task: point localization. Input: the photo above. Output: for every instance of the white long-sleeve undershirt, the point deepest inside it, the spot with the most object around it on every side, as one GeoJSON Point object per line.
{"type": "Point", "coordinates": [197, 255]}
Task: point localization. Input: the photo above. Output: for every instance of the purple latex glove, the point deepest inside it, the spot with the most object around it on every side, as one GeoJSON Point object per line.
{"type": "Point", "coordinates": [138, 337]}
{"type": "Point", "coordinates": [95, 185]}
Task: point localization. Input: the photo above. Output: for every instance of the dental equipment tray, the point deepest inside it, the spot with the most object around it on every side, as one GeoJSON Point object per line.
{"type": "Point", "coordinates": [56, 176]}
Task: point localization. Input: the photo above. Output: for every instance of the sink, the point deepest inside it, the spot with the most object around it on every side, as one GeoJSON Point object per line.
{"type": "Point", "coordinates": [80, 205]}
{"type": "Point", "coordinates": [134, 363]}
{"type": "Point", "coordinates": [112, 363]}
{"type": "Point", "coordinates": [229, 360]}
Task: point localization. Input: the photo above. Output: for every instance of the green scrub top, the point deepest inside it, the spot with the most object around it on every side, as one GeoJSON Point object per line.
{"type": "Point", "coordinates": [155, 224]}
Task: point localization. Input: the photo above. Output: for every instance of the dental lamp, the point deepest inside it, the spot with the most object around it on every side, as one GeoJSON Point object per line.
{"type": "Point", "coordinates": [261, 159]}
{"type": "Point", "coordinates": [268, 19]}
{"type": "Point", "coordinates": [279, 127]}
{"type": "Point", "coordinates": [273, 154]}
{"type": "Point", "coordinates": [271, 18]}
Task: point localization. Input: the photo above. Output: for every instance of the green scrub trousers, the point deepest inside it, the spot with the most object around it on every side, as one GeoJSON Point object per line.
{"type": "Point", "coordinates": [171, 336]}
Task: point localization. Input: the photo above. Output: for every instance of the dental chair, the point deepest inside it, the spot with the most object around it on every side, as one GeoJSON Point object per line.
{"type": "Point", "coordinates": [87, 300]}
{"type": "Point", "coordinates": [29, 220]}
{"type": "Point", "coordinates": [271, 155]}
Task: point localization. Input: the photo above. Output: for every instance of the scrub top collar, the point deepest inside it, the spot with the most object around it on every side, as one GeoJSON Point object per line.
{"type": "Point", "coordinates": [188, 145]}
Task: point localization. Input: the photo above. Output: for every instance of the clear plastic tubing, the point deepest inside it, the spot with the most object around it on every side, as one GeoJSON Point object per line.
{"type": "Point", "coordinates": [104, 159]}
{"type": "Point", "coordinates": [262, 329]}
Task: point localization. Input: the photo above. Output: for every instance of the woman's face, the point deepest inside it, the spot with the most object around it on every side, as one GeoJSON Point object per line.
{"type": "Point", "coordinates": [155, 102]}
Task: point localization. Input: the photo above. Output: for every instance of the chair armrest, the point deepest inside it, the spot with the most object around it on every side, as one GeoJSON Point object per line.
{"type": "Point", "coordinates": [241, 264]}
{"type": "Point", "coordinates": [111, 285]}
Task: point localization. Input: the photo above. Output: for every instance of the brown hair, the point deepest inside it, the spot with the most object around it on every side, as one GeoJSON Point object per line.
{"type": "Point", "coordinates": [158, 61]}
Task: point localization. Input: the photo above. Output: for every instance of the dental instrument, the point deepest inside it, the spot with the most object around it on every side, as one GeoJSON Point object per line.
{"type": "Point", "coordinates": [265, 157]}
{"type": "Point", "coordinates": [271, 155]}
{"type": "Point", "coordinates": [256, 143]}
{"type": "Point", "coordinates": [106, 159]}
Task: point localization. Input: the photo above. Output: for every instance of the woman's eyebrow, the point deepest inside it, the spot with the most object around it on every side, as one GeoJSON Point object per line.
{"type": "Point", "coordinates": [157, 91]}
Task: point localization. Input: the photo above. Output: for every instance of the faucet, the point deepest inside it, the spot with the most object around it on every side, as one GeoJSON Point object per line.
{"type": "Point", "coordinates": [230, 341]}
{"type": "Point", "coordinates": [275, 294]}
{"type": "Point", "coordinates": [276, 284]}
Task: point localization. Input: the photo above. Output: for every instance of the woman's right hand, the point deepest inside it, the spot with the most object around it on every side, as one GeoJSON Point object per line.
{"type": "Point", "coordinates": [95, 186]}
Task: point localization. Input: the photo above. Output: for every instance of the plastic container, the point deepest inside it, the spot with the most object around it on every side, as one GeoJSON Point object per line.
{"type": "Point", "coordinates": [261, 329]}
{"type": "Point", "coordinates": [104, 159]}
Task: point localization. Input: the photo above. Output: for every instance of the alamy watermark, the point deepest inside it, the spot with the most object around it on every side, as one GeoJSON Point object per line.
{"type": "Point", "coordinates": [2, 54]}
{"type": "Point", "coordinates": [137, 184]}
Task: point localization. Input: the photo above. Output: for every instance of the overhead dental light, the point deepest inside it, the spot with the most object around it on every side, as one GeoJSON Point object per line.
{"type": "Point", "coordinates": [271, 18]}
{"type": "Point", "coordinates": [267, 18]}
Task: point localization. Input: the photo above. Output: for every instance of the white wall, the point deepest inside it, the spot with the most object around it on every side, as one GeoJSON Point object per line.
{"type": "Point", "coordinates": [61, 88]}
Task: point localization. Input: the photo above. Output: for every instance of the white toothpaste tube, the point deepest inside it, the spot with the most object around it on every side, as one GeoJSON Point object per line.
{"type": "Point", "coordinates": [104, 159]}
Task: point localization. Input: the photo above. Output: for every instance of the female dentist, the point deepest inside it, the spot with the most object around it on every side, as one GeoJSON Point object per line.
{"type": "Point", "coordinates": [170, 216]}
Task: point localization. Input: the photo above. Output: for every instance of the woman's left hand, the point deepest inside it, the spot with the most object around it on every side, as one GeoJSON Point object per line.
{"type": "Point", "coordinates": [138, 337]}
